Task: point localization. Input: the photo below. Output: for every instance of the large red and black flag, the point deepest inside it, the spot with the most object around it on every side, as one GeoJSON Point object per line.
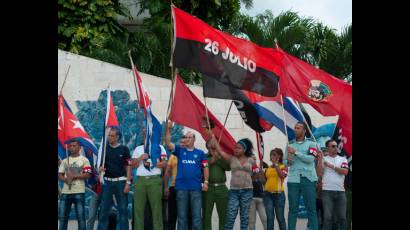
{"type": "Point", "coordinates": [232, 61]}
{"type": "Point", "coordinates": [324, 92]}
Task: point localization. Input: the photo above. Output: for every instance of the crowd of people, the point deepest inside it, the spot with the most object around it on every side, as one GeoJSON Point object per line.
{"type": "Point", "coordinates": [193, 182]}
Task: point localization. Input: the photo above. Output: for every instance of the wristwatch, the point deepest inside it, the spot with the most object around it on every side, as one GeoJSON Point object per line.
{"type": "Point", "coordinates": [128, 182]}
{"type": "Point", "coordinates": [206, 182]}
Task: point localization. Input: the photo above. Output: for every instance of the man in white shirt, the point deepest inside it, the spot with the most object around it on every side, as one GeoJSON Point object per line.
{"type": "Point", "coordinates": [333, 191]}
{"type": "Point", "coordinates": [148, 186]}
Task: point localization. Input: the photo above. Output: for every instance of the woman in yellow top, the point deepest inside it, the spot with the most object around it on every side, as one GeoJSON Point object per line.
{"type": "Point", "coordinates": [274, 196]}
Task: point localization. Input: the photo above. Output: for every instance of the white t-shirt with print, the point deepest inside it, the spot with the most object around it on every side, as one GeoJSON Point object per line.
{"type": "Point", "coordinates": [77, 166]}
{"type": "Point", "coordinates": [332, 180]}
{"type": "Point", "coordinates": [141, 170]}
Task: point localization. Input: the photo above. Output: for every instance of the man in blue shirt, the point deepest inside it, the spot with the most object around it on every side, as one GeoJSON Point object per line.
{"type": "Point", "coordinates": [302, 177]}
{"type": "Point", "coordinates": [191, 161]}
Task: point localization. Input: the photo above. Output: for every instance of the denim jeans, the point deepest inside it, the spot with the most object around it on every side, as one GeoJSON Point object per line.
{"type": "Point", "coordinates": [195, 198]}
{"type": "Point", "coordinates": [92, 213]}
{"type": "Point", "coordinates": [66, 200]}
{"type": "Point", "coordinates": [109, 189]}
{"type": "Point", "coordinates": [275, 204]}
{"type": "Point", "coordinates": [257, 205]}
{"type": "Point", "coordinates": [334, 205]}
{"type": "Point", "coordinates": [308, 189]}
{"type": "Point", "coordinates": [238, 199]}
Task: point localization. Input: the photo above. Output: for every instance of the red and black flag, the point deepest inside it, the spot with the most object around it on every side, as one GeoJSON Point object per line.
{"type": "Point", "coordinates": [232, 61]}
{"type": "Point", "coordinates": [247, 109]}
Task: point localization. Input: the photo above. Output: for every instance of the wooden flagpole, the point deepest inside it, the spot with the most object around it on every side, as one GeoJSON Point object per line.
{"type": "Point", "coordinates": [66, 149]}
{"type": "Point", "coordinates": [206, 114]}
{"type": "Point", "coordinates": [107, 130]}
{"type": "Point", "coordinates": [133, 73]}
{"type": "Point", "coordinates": [283, 114]}
{"type": "Point", "coordinates": [226, 119]}
{"type": "Point", "coordinates": [174, 71]}
{"type": "Point", "coordinates": [307, 125]}
{"type": "Point", "coordinates": [284, 117]}
{"type": "Point", "coordinates": [65, 78]}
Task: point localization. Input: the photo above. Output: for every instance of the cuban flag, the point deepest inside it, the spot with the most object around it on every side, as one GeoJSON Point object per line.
{"type": "Point", "coordinates": [110, 121]}
{"type": "Point", "coordinates": [69, 127]}
{"type": "Point", "coordinates": [271, 112]}
{"type": "Point", "coordinates": [152, 125]}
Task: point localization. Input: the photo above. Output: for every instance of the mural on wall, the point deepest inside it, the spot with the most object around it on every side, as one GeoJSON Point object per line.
{"type": "Point", "coordinates": [131, 119]}
{"type": "Point", "coordinates": [91, 114]}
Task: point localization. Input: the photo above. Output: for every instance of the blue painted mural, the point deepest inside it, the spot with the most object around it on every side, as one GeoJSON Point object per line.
{"type": "Point", "coordinates": [91, 114]}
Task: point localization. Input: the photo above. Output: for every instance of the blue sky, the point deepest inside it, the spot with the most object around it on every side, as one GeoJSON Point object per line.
{"type": "Point", "coordinates": [334, 13]}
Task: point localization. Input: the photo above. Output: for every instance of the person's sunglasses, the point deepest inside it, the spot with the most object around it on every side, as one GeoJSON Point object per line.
{"type": "Point", "coordinates": [333, 146]}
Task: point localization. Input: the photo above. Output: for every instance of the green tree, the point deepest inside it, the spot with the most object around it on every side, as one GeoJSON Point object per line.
{"type": "Point", "coordinates": [86, 25]}
{"type": "Point", "coordinates": [302, 37]}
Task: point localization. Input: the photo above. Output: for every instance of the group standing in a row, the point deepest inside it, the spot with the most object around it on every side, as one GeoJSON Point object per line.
{"type": "Point", "coordinates": [198, 182]}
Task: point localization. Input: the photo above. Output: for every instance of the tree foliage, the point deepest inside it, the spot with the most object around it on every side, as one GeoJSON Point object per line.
{"type": "Point", "coordinates": [84, 25]}
{"type": "Point", "coordinates": [304, 38]}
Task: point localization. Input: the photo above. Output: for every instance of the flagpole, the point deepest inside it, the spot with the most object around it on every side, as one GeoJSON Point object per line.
{"type": "Point", "coordinates": [174, 71]}
{"type": "Point", "coordinates": [284, 117]}
{"type": "Point", "coordinates": [107, 130]}
{"type": "Point", "coordinates": [226, 119]}
{"type": "Point", "coordinates": [143, 96]}
{"type": "Point", "coordinates": [206, 114]}
{"type": "Point", "coordinates": [307, 125]}
{"type": "Point", "coordinates": [62, 118]}
{"type": "Point", "coordinates": [133, 73]}
{"type": "Point", "coordinates": [171, 94]}
{"type": "Point", "coordinates": [65, 78]}
{"type": "Point", "coordinates": [260, 148]}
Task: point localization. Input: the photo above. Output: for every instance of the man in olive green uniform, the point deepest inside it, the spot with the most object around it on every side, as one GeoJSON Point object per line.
{"type": "Point", "coordinates": [217, 191]}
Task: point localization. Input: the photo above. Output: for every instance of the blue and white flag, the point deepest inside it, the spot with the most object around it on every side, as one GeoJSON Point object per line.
{"type": "Point", "coordinates": [153, 137]}
{"type": "Point", "coordinates": [272, 112]}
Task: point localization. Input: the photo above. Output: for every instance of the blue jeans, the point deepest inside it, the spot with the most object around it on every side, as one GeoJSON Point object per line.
{"type": "Point", "coordinates": [92, 213]}
{"type": "Point", "coordinates": [238, 198]}
{"type": "Point", "coordinates": [334, 205]}
{"type": "Point", "coordinates": [195, 198]}
{"type": "Point", "coordinates": [115, 188]}
{"type": "Point", "coordinates": [66, 200]}
{"type": "Point", "coordinates": [308, 189]}
{"type": "Point", "coordinates": [275, 204]}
